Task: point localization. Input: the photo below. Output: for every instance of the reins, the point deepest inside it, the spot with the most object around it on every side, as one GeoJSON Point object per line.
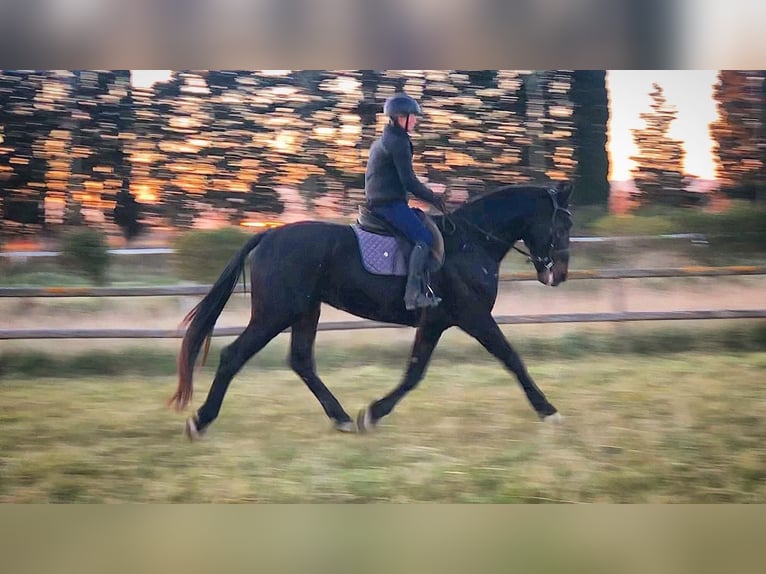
{"type": "Point", "coordinates": [546, 261]}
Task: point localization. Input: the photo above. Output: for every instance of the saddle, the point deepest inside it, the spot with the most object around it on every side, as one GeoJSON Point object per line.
{"type": "Point", "coordinates": [385, 251]}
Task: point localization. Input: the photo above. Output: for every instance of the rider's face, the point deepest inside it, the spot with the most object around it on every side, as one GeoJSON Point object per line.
{"type": "Point", "coordinates": [408, 122]}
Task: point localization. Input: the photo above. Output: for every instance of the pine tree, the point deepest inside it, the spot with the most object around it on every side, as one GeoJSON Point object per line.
{"type": "Point", "coordinates": [739, 132]}
{"type": "Point", "coordinates": [658, 175]}
{"type": "Point", "coordinates": [591, 113]}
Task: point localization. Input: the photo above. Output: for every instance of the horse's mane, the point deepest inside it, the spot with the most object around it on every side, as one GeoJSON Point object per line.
{"type": "Point", "coordinates": [501, 191]}
{"type": "Point", "coordinates": [520, 196]}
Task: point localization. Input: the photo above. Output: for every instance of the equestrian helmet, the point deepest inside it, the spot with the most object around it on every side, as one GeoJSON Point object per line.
{"type": "Point", "coordinates": [401, 105]}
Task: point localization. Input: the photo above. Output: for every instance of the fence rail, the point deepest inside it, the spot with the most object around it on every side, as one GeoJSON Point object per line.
{"type": "Point", "coordinates": [625, 316]}
{"type": "Point", "coordinates": [191, 290]}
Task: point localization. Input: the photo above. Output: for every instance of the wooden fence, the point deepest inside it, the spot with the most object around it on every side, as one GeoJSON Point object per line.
{"type": "Point", "coordinates": [199, 290]}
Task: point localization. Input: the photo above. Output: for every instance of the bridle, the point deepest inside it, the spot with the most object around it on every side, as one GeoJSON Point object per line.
{"type": "Point", "coordinates": [545, 260]}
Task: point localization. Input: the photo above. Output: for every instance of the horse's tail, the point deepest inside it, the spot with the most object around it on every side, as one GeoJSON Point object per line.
{"type": "Point", "coordinates": [201, 320]}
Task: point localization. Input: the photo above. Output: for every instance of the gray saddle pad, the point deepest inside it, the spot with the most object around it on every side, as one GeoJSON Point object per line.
{"type": "Point", "coordinates": [381, 254]}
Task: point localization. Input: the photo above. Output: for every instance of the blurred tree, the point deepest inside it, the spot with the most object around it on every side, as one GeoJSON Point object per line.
{"type": "Point", "coordinates": [97, 113]}
{"type": "Point", "coordinates": [233, 144]}
{"type": "Point", "coordinates": [739, 132]}
{"type": "Point", "coordinates": [535, 112]}
{"type": "Point", "coordinates": [439, 107]}
{"type": "Point", "coordinates": [77, 152]}
{"type": "Point", "coordinates": [658, 174]}
{"type": "Point", "coordinates": [125, 131]}
{"type": "Point", "coordinates": [224, 161]}
{"type": "Point", "coordinates": [236, 135]}
{"type": "Point", "coordinates": [590, 117]}
{"type": "Point", "coordinates": [369, 106]}
{"type": "Point", "coordinates": [503, 131]}
{"type": "Point", "coordinates": [127, 213]}
{"type": "Point", "coordinates": [22, 160]}
{"type": "Point", "coordinates": [761, 187]}
{"type": "Point", "coordinates": [73, 216]}
{"type": "Point", "coordinates": [56, 99]}
{"type": "Point", "coordinates": [559, 127]}
{"type": "Point", "coordinates": [545, 146]}
{"type": "Point", "coordinates": [161, 174]}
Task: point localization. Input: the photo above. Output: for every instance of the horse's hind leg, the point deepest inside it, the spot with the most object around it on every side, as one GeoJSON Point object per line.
{"type": "Point", "coordinates": [233, 357]}
{"type": "Point", "coordinates": [302, 362]}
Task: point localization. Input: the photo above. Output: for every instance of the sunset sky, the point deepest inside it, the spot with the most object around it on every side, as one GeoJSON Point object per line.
{"type": "Point", "coordinates": [691, 91]}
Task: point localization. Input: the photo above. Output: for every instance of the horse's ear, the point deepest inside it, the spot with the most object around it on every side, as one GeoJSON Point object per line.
{"type": "Point", "coordinates": [564, 191]}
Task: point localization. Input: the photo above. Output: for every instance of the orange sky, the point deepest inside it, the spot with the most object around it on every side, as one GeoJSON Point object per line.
{"type": "Point", "coordinates": [689, 90]}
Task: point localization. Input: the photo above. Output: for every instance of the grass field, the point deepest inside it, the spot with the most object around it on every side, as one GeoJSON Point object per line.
{"type": "Point", "coordinates": [686, 427]}
{"type": "Point", "coordinates": [654, 413]}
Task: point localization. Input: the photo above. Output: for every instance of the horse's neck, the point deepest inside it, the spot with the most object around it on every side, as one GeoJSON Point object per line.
{"type": "Point", "coordinates": [501, 218]}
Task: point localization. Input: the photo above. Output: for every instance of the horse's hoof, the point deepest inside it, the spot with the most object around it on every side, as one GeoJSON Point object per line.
{"type": "Point", "coordinates": [364, 421]}
{"type": "Point", "coordinates": [344, 426]}
{"type": "Point", "coordinates": [555, 419]}
{"type": "Point", "coordinates": [192, 431]}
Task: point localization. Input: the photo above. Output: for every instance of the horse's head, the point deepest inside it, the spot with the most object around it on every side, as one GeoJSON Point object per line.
{"type": "Point", "coordinates": [547, 236]}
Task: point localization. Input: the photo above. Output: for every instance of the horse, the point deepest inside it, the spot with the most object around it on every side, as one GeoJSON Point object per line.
{"type": "Point", "coordinates": [297, 267]}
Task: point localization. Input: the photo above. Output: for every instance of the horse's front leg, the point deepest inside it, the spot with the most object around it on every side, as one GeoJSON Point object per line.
{"type": "Point", "coordinates": [426, 338]}
{"type": "Point", "coordinates": [485, 330]}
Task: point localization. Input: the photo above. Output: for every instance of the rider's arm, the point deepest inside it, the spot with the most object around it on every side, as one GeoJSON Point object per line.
{"type": "Point", "coordinates": [401, 153]}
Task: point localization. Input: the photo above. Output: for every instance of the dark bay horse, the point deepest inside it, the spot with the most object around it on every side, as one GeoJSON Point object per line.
{"type": "Point", "coordinates": [297, 267]}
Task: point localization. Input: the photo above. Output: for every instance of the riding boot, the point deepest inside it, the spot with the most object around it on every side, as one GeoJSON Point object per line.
{"type": "Point", "coordinates": [414, 296]}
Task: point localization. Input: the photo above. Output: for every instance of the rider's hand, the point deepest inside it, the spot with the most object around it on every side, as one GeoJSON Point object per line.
{"type": "Point", "coordinates": [439, 204]}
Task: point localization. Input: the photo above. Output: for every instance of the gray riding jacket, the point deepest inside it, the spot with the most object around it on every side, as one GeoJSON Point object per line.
{"type": "Point", "coordinates": [389, 174]}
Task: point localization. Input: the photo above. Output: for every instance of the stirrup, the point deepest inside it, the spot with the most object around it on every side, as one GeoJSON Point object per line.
{"type": "Point", "coordinates": [423, 300]}
{"type": "Point", "coordinates": [431, 295]}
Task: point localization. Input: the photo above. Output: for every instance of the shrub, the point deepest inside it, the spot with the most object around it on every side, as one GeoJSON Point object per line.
{"type": "Point", "coordinates": [741, 217]}
{"type": "Point", "coordinates": [632, 225]}
{"type": "Point", "coordinates": [85, 251]}
{"type": "Point", "coordinates": [201, 255]}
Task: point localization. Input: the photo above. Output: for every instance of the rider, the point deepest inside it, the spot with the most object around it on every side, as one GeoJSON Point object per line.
{"type": "Point", "coordinates": [388, 178]}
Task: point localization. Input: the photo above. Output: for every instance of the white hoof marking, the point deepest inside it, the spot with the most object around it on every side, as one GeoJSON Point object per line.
{"type": "Point", "coordinates": [191, 430]}
{"type": "Point", "coordinates": [364, 421]}
{"type": "Point", "coordinates": [347, 426]}
{"type": "Point", "coordinates": [555, 419]}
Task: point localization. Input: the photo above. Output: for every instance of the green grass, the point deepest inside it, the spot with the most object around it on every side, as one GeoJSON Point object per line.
{"type": "Point", "coordinates": [676, 428]}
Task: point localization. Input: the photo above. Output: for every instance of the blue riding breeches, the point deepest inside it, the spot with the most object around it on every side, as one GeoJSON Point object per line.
{"type": "Point", "coordinates": [400, 216]}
